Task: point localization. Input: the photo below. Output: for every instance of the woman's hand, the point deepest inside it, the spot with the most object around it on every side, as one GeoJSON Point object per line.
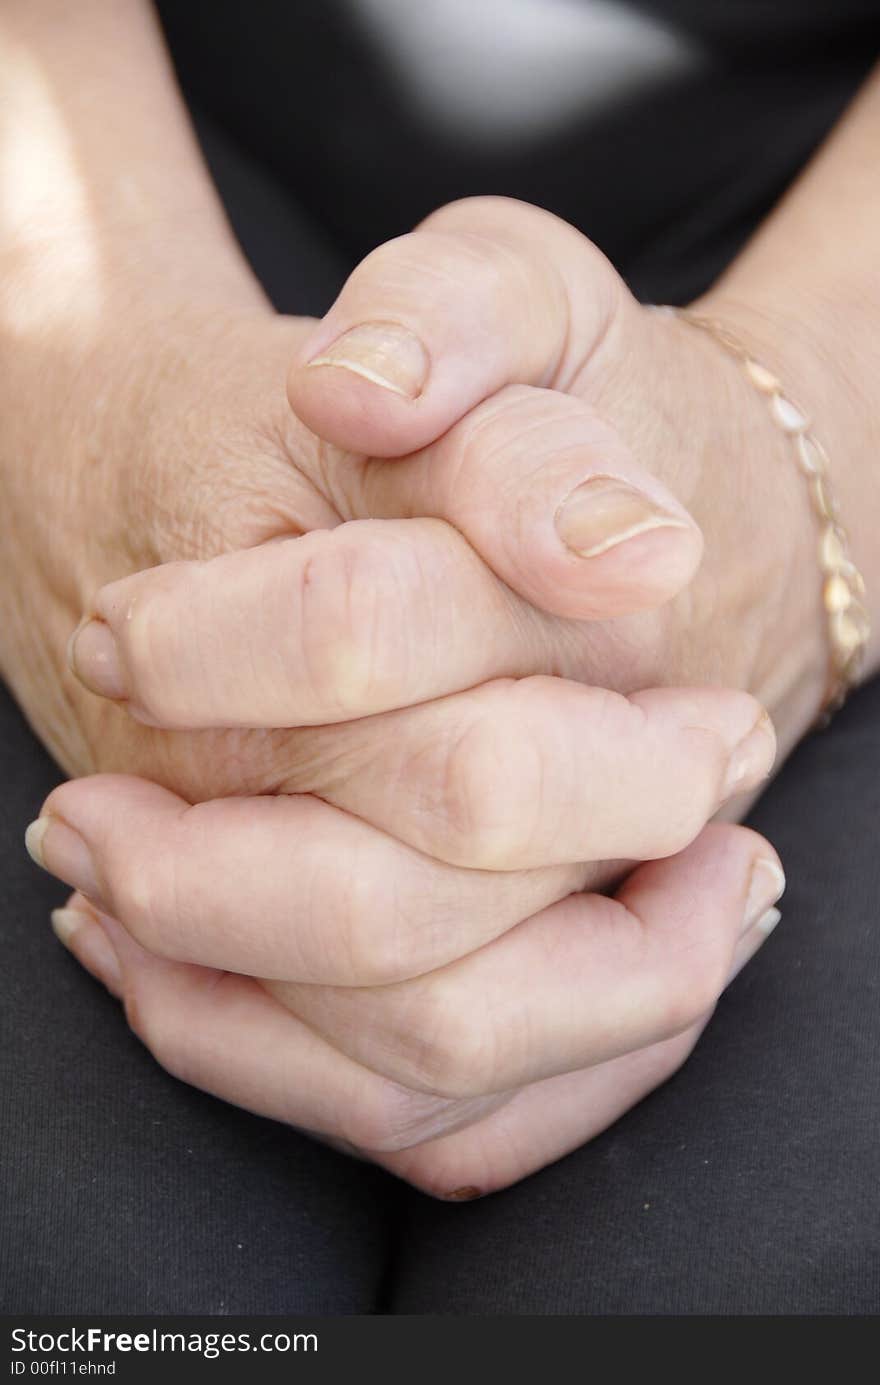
{"type": "Point", "coordinates": [345, 905]}
{"type": "Point", "coordinates": [175, 442]}
{"type": "Point", "coordinates": [348, 624]}
{"type": "Point", "coordinates": [384, 955]}
{"type": "Point", "coordinates": [272, 635]}
{"type": "Point", "coordinates": [493, 296]}
{"type": "Point", "coordinates": [193, 454]}
{"type": "Point", "coordinates": [462, 1080]}
{"type": "Point", "coordinates": [58, 319]}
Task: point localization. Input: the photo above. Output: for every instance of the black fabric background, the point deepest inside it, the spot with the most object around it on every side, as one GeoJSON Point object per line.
{"type": "Point", "coordinates": [668, 183]}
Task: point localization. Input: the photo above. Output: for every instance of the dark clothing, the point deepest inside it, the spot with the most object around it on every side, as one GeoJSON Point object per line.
{"type": "Point", "coordinates": [747, 1184]}
{"type": "Point", "coordinates": [669, 180]}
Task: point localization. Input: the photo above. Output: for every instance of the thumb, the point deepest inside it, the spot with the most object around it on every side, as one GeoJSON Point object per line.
{"type": "Point", "coordinates": [552, 501]}
{"type": "Point", "coordinates": [487, 292]}
{"type": "Point", "coordinates": [432, 353]}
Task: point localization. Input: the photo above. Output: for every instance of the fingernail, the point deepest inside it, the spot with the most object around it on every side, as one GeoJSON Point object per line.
{"type": "Point", "coordinates": [752, 940]}
{"type": "Point", "coordinates": [86, 940]}
{"type": "Point", "coordinates": [61, 851]}
{"type": "Point", "coordinates": [765, 888]}
{"type": "Point", "coordinates": [383, 353]}
{"type": "Point", "coordinates": [604, 512]}
{"type": "Point", "coordinates": [752, 760]}
{"type": "Point", "coordinates": [93, 655]}
{"type": "Point", "coordinates": [66, 922]}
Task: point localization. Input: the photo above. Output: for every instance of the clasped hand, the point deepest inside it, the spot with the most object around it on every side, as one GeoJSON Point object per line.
{"type": "Point", "coordinates": [365, 764]}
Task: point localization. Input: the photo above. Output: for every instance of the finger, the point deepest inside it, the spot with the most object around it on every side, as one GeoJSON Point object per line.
{"type": "Point", "coordinates": [542, 771]}
{"type": "Point", "coordinates": [585, 981]}
{"type": "Point", "coordinates": [287, 886]}
{"type": "Point", "coordinates": [538, 1125]}
{"type": "Point", "coordinates": [368, 616]}
{"type": "Point", "coordinates": [225, 1034]}
{"type": "Point", "coordinates": [337, 624]}
{"type": "Point", "coordinates": [486, 292]}
{"type": "Point", "coordinates": [551, 498]}
{"type": "Point", "coordinates": [490, 293]}
{"type": "Point", "coordinates": [549, 1119]}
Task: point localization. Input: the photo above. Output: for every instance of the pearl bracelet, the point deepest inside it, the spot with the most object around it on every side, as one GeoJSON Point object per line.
{"type": "Point", "coordinates": [843, 588]}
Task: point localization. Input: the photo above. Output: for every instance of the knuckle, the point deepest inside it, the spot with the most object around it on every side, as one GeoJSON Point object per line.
{"type": "Point", "coordinates": [352, 643]}
{"type": "Point", "coordinates": [155, 1026]}
{"type": "Point", "coordinates": [489, 248]}
{"type": "Point", "coordinates": [689, 800]}
{"type": "Point", "coordinates": [381, 267]}
{"type": "Point", "coordinates": [141, 894]}
{"type": "Point", "coordinates": [175, 1052]}
{"type": "Point", "coordinates": [385, 1116]}
{"type": "Point", "coordinates": [135, 901]}
{"type": "Point", "coordinates": [332, 645]}
{"type": "Point", "coordinates": [484, 796]}
{"type": "Point", "coordinates": [423, 268]}
{"type": "Point", "coordinates": [375, 940]}
{"type": "Point", "coordinates": [368, 951]}
{"type": "Point", "coordinates": [487, 211]}
{"type": "Point", "coordinates": [463, 210]}
{"type": "Point", "coordinates": [466, 806]}
{"type": "Point", "coordinates": [438, 259]}
{"type": "Point", "coordinates": [397, 918]}
{"type": "Point", "coordinates": [494, 802]}
{"type": "Point", "coordinates": [167, 1031]}
{"type": "Point", "coordinates": [147, 627]}
{"type": "Point", "coordinates": [452, 1052]}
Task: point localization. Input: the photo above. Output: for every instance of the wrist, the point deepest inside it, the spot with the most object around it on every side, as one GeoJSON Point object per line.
{"type": "Point", "coordinates": [76, 288]}
{"type": "Point", "coordinates": [110, 208]}
{"type": "Point", "coordinates": [752, 617]}
{"type": "Point", "coordinates": [822, 347]}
